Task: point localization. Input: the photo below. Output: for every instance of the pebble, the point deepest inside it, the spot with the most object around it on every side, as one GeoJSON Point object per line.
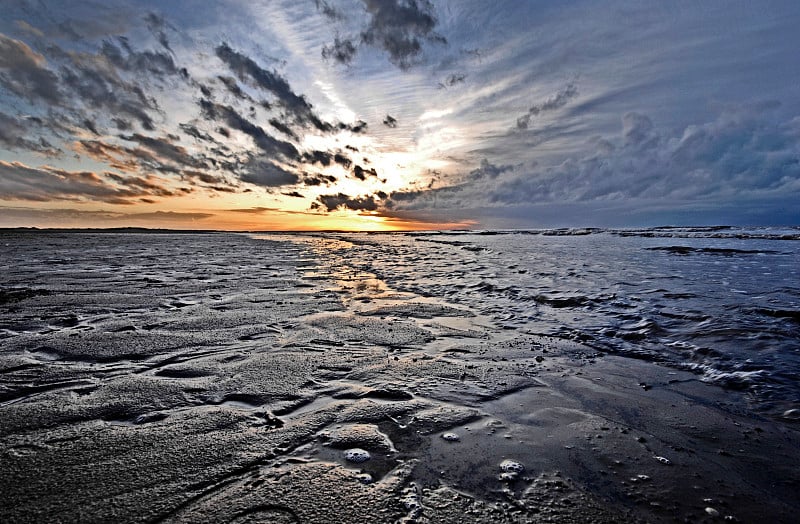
{"type": "Point", "coordinates": [356, 455]}
{"type": "Point", "coordinates": [663, 460]}
{"type": "Point", "coordinates": [364, 478]}
{"type": "Point", "coordinates": [711, 511]}
{"type": "Point", "coordinates": [792, 414]}
{"type": "Point", "coordinates": [512, 466]}
{"type": "Point", "coordinates": [451, 437]}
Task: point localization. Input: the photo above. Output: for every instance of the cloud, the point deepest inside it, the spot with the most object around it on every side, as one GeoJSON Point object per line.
{"type": "Point", "coordinates": [23, 72]}
{"type": "Point", "coordinates": [744, 154]}
{"type": "Point", "coordinates": [283, 128]}
{"type": "Point", "coordinates": [89, 78]}
{"type": "Point", "coordinates": [265, 173]}
{"type": "Point", "coordinates": [342, 50]}
{"type": "Point", "coordinates": [266, 142]}
{"type": "Point", "coordinates": [342, 160]}
{"type": "Point", "coordinates": [158, 26]}
{"type": "Point", "coordinates": [637, 131]}
{"type": "Point", "coordinates": [319, 180]}
{"type": "Point", "coordinates": [362, 174]}
{"type": "Point", "coordinates": [489, 170]}
{"type": "Point", "coordinates": [194, 132]}
{"type": "Point", "coordinates": [398, 27]}
{"type": "Point", "coordinates": [66, 217]}
{"type": "Point", "coordinates": [318, 157]}
{"type": "Point", "coordinates": [127, 59]}
{"type": "Point", "coordinates": [43, 184]}
{"type": "Point", "coordinates": [231, 85]}
{"type": "Point", "coordinates": [556, 101]}
{"type": "Point", "coordinates": [12, 136]}
{"type": "Point", "coordinates": [452, 80]}
{"type": "Point", "coordinates": [333, 202]}
{"type": "Point", "coordinates": [249, 71]}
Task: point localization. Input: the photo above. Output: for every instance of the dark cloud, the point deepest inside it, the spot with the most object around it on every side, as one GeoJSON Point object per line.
{"type": "Point", "coordinates": [489, 170]}
{"type": "Point", "coordinates": [231, 85]}
{"type": "Point", "coordinates": [115, 156]}
{"type": "Point", "coordinates": [164, 151]}
{"type": "Point", "coordinates": [206, 178]}
{"type": "Point", "coordinates": [44, 184]}
{"type": "Point", "coordinates": [362, 174]}
{"type": "Point", "coordinates": [91, 126]}
{"type": "Point", "coordinates": [293, 194]}
{"type": "Point", "coordinates": [158, 27]}
{"type": "Point", "coordinates": [452, 80]}
{"type": "Point", "coordinates": [159, 154]}
{"type": "Point", "coordinates": [194, 132]}
{"type": "Point", "coordinates": [148, 184]}
{"type": "Point", "coordinates": [283, 128]}
{"type": "Point", "coordinates": [24, 72]}
{"type": "Point", "coordinates": [318, 157]}
{"type": "Point", "coordinates": [358, 127]}
{"type": "Point", "coordinates": [90, 80]}
{"type": "Point", "coordinates": [390, 121]}
{"type": "Point", "coordinates": [557, 101]}
{"type": "Point", "coordinates": [249, 71]}
{"type": "Point", "coordinates": [319, 180]}
{"type": "Point", "coordinates": [126, 58]}
{"type": "Point", "coordinates": [267, 174]}
{"type": "Point", "coordinates": [13, 133]}
{"type": "Point", "coordinates": [66, 217]}
{"type": "Point", "coordinates": [334, 202]}
{"type": "Point", "coordinates": [328, 10]}
{"type": "Point", "coordinates": [342, 50]}
{"type": "Point", "coordinates": [398, 27]}
{"type": "Point", "coordinates": [267, 143]}
{"type": "Point", "coordinates": [83, 89]}
{"type": "Point", "coordinates": [342, 160]}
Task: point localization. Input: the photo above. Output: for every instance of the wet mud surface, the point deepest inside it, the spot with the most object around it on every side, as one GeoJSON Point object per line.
{"type": "Point", "coordinates": [230, 378]}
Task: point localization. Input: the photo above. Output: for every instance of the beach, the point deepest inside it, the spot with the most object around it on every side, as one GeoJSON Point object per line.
{"type": "Point", "coordinates": [573, 375]}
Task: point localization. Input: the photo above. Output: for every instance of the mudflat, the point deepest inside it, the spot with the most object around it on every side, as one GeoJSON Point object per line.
{"type": "Point", "coordinates": [283, 378]}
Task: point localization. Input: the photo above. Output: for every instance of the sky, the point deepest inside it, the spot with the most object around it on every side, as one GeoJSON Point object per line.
{"type": "Point", "coordinates": [398, 114]}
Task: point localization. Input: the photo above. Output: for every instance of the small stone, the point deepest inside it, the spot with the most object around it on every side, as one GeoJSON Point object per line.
{"type": "Point", "coordinates": [451, 437]}
{"type": "Point", "coordinates": [511, 466]}
{"type": "Point", "coordinates": [663, 460]}
{"type": "Point", "coordinates": [364, 478]}
{"type": "Point", "coordinates": [356, 455]}
{"type": "Point", "coordinates": [712, 512]}
{"type": "Point", "coordinates": [792, 414]}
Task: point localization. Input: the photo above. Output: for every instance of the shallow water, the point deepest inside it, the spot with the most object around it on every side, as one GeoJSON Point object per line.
{"type": "Point", "coordinates": [721, 302]}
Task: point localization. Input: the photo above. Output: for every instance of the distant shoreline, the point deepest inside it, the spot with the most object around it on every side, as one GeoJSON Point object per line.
{"type": "Point", "coordinates": [545, 230]}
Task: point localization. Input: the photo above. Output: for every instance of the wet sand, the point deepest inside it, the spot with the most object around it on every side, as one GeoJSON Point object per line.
{"type": "Point", "coordinates": [223, 378]}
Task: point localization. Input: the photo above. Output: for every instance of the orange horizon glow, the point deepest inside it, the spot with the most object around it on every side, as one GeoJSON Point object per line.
{"type": "Point", "coordinates": [248, 221]}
